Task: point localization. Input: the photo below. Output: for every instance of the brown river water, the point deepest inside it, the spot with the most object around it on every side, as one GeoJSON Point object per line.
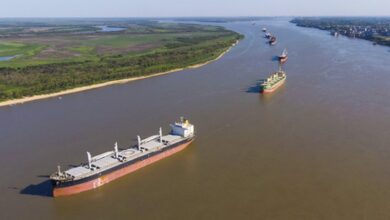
{"type": "Point", "coordinates": [318, 148]}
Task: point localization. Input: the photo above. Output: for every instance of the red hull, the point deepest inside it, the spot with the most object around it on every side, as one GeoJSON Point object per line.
{"type": "Point", "coordinates": [283, 59]}
{"type": "Point", "coordinates": [64, 191]}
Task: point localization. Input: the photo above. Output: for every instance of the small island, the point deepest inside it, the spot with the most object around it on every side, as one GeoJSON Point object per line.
{"type": "Point", "coordinates": [40, 57]}
{"type": "Point", "coordinates": [375, 29]}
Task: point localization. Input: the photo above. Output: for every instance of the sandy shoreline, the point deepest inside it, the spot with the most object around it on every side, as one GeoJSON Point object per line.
{"type": "Point", "coordinates": [95, 86]}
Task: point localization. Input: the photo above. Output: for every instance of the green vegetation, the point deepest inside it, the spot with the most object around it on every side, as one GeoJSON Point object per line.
{"type": "Point", "coordinates": [50, 62]}
{"type": "Point", "coordinates": [12, 49]}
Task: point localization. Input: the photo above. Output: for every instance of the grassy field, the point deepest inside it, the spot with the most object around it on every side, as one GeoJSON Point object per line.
{"type": "Point", "coordinates": [13, 48]}
{"type": "Point", "coordinates": [54, 49]}
{"type": "Point", "coordinates": [52, 58]}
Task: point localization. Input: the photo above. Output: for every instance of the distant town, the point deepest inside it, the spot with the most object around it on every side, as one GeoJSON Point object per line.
{"type": "Point", "coordinates": [376, 30]}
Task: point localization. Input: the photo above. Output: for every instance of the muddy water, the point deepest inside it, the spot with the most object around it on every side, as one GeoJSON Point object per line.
{"type": "Point", "coordinates": [316, 149]}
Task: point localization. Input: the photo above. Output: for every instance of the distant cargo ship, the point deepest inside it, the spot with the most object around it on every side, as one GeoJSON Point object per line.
{"type": "Point", "coordinates": [272, 82]}
{"type": "Point", "coordinates": [272, 40]}
{"type": "Point", "coordinates": [108, 166]}
{"type": "Point", "coordinates": [283, 57]}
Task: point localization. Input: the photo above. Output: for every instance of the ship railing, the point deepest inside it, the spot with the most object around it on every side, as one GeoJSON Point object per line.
{"type": "Point", "coordinates": [181, 124]}
{"type": "Point", "coordinates": [103, 155]}
{"type": "Point", "coordinates": [151, 138]}
{"type": "Point", "coordinates": [63, 176]}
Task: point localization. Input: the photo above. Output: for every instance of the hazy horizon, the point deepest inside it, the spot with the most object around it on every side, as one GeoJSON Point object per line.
{"type": "Point", "coordinates": [191, 8]}
{"type": "Point", "coordinates": [238, 16]}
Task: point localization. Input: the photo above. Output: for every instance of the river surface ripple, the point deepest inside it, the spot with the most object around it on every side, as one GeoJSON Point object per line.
{"type": "Point", "coordinates": [316, 149]}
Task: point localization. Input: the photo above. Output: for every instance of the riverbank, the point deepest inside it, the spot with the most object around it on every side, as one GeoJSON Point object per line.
{"type": "Point", "coordinates": [375, 30]}
{"type": "Point", "coordinates": [99, 85]}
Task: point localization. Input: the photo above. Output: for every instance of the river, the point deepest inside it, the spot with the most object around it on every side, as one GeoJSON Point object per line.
{"type": "Point", "coordinates": [316, 149]}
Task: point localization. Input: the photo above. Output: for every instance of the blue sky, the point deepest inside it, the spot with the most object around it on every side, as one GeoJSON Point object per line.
{"type": "Point", "coordinates": [185, 8]}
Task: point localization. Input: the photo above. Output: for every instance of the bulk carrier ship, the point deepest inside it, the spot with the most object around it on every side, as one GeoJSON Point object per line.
{"type": "Point", "coordinates": [111, 165]}
{"type": "Point", "coordinates": [274, 81]}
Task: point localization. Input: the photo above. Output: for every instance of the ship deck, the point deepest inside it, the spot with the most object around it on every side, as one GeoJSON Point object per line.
{"type": "Point", "coordinates": [108, 160]}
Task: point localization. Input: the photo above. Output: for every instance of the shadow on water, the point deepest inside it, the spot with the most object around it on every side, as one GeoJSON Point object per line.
{"type": "Point", "coordinates": [254, 88]}
{"type": "Point", "coordinates": [275, 58]}
{"type": "Point", "coordinates": [41, 189]}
